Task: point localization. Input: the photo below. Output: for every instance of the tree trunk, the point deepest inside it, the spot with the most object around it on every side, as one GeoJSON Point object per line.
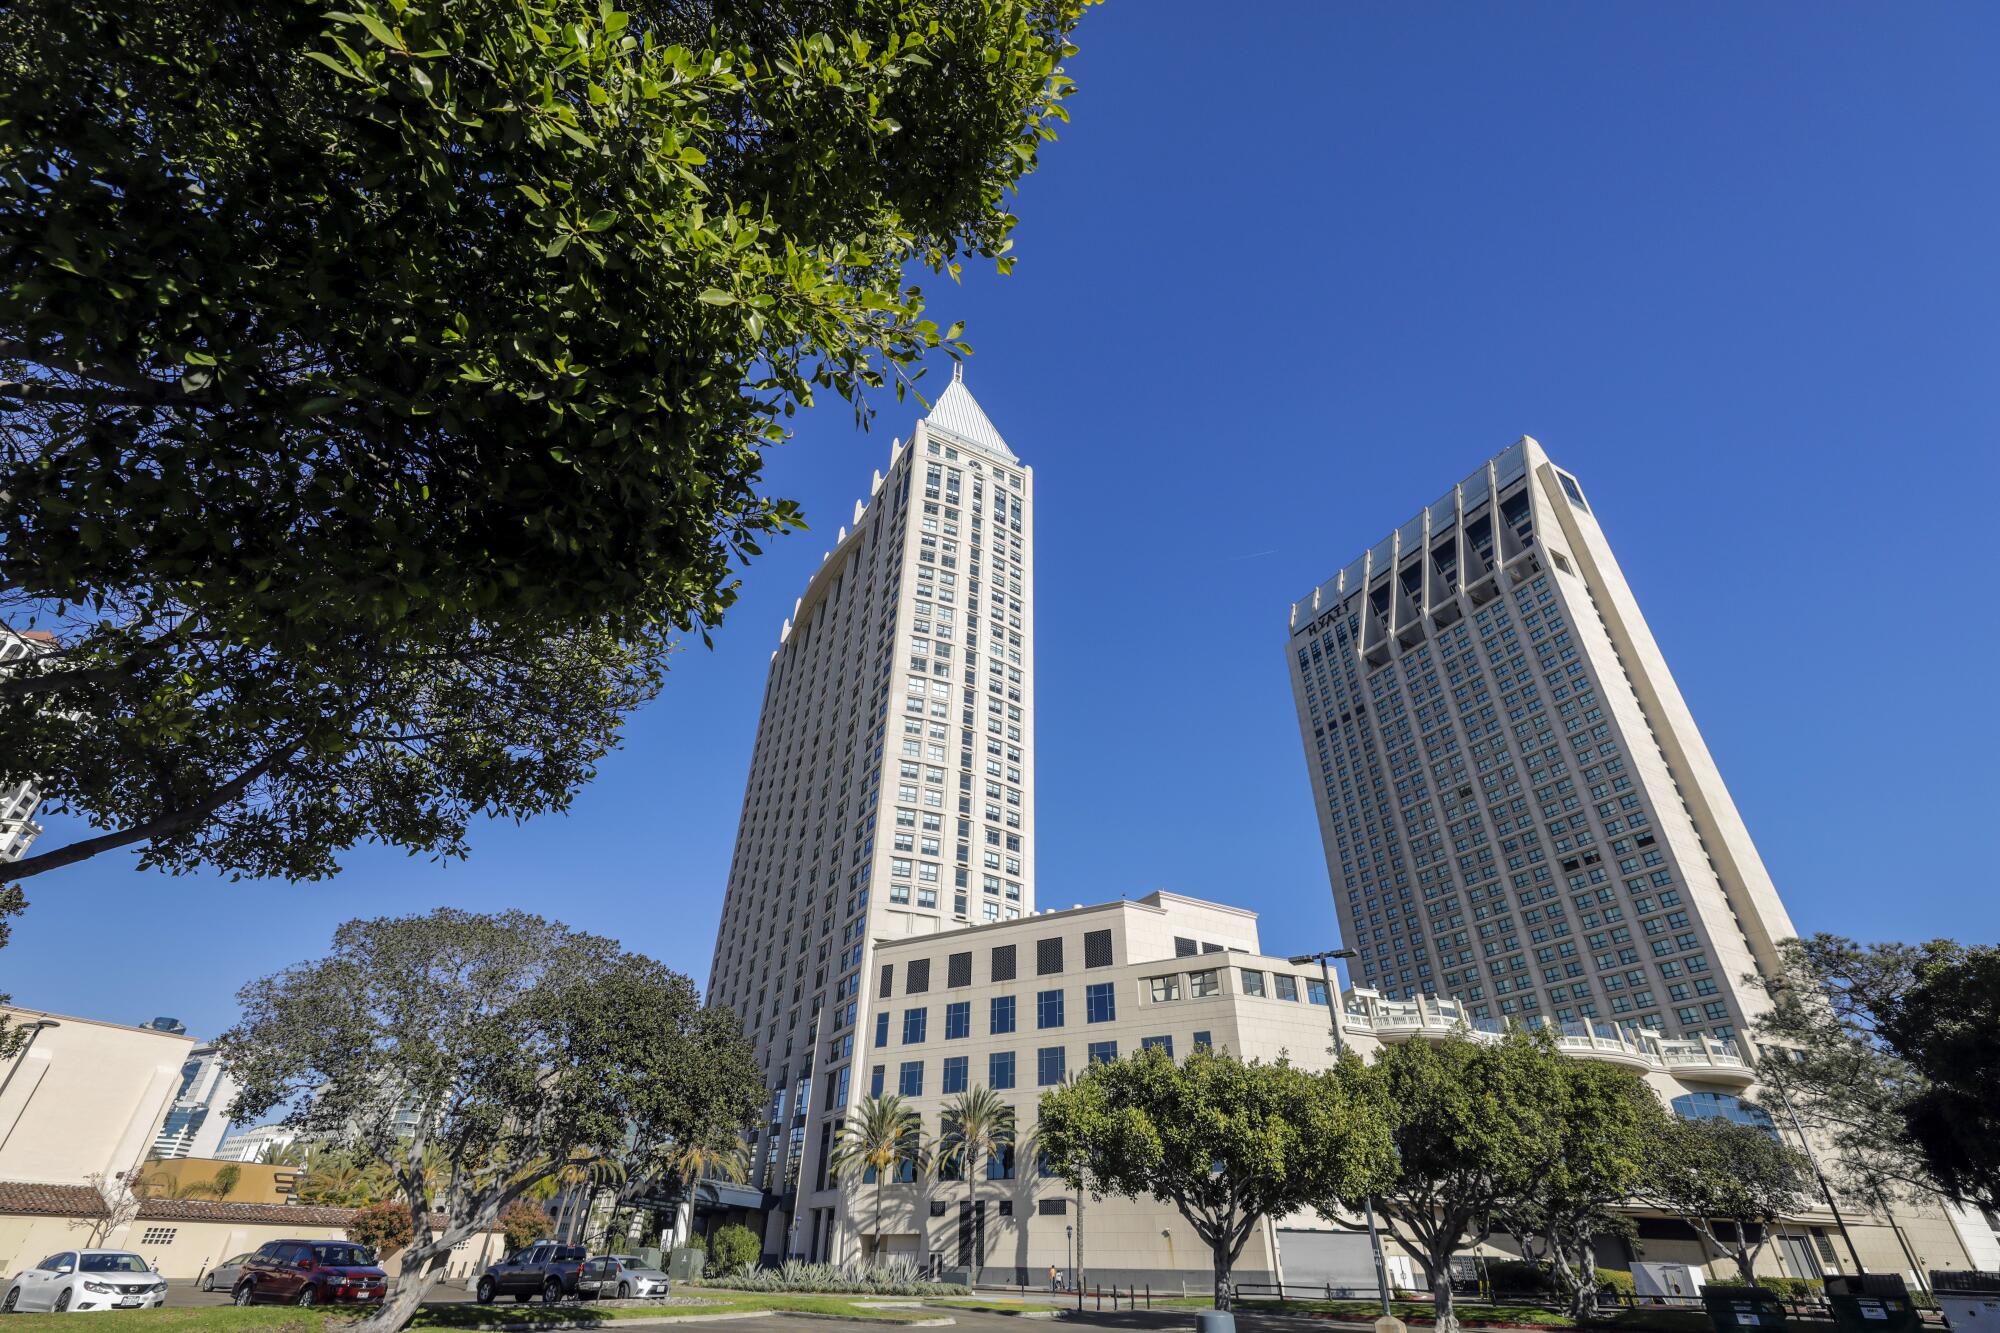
{"type": "Point", "coordinates": [1441, 1295]}
{"type": "Point", "coordinates": [414, 1279]}
{"type": "Point", "coordinates": [1219, 1254]}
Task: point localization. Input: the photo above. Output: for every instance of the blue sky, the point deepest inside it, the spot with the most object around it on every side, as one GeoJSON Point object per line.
{"type": "Point", "coordinates": [1295, 269]}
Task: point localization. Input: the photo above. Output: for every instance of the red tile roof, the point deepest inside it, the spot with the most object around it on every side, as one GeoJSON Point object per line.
{"type": "Point", "coordinates": [21, 1196]}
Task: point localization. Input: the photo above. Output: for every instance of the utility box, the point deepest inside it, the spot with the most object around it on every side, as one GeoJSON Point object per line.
{"type": "Point", "coordinates": [1970, 1300]}
{"type": "Point", "coordinates": [1743, 1309]}
{"type": "Point", "coordinates": [1873, 1303]}
{"type": "Point", "coordinates": [686, 1263]}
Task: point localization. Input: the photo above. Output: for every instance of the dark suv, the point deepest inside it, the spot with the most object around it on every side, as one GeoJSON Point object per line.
{"type": "Point", "coordinates": [547, 1270]}
{"type": "Point", "coordinates": [310, 1272]}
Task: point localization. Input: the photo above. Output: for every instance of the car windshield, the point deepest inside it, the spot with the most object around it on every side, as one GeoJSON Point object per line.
{"type": "Point", "coordinates": [350, 1256]}
{"type": "Point", "coordinates": [113, 1263]}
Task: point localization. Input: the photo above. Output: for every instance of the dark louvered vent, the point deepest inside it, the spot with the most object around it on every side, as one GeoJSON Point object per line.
{"type": "Point", "coordinates": [1097, 948]}
{"type": "Point", "coordinates": [1003, 962]}
{"type": "Point", "coordinates": [1051, 1207]}
{"type": "Point", "coordinates": [958, 970]}
{"type": "Point", "coordinates": [888, 981]}
{"type": "Point", "coordinates": [1185, 947]}
{"type": "Point", "coordinates": [919, 979]}
{"type": "Point", "coordinates": [1048, 956]}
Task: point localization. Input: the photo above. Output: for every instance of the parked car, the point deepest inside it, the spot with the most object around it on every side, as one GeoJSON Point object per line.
{"type": "Point", "coordinates": [223, 1276]}
{"type": "Point", "coordinates": [547, 1270]}
{"type": "Point", "coordinates": [310, 1272]}
{"type": "Point", "coordinates": [86, 1280]}
{"type": "Point", "coordinates": [622, 1276]}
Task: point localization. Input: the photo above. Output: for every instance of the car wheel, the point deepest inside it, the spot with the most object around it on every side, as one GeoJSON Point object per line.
{"type": "Point", "coordinates": [242, 1293]}
{"type": "Point", "coordinates": [13, 1295]}
{"type": "Point", "coordinates": [62, 1300]}
{"type": "Point", "coordinates": [308, 1294]}
{"type": "Point", "coordinates": [485, 1293]}
{"type": "Point", "coordinates": [624, 1291]}
{"type": "Point", "coordinates": [552, 1293]}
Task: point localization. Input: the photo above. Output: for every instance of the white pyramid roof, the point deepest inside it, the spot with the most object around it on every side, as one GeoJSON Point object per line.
{"type": "Point", "coordinates": [957, 413]}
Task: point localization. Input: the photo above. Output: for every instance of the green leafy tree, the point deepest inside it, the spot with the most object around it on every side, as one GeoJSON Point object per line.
{"type": "Point", "coordinates": [1731, 1182]}
{"type": "Point", "coordinates": [1608, 1122]}
{"type": "Point", "coordinates": [351, 351]}
{"type": "Point", "coordinates": [1473, 1124]}
{"type": "Point", "coordinates": [476, 1056]}
{"type": "Point", "coordinates": [884, 1135]}
{"type": "Point", "coordinates": [733, 1249]}
{"type": "Point", "coordinates": [523, 1224]}
{"type": "Point", "coordinates": [1890, 1055]}
{"type": "Point", "coordinates": [383, 1227]}
{"type": "Point", "coordinates": [1227, 1142]}
{"type": "Point", "coordinates": [976, 1127]}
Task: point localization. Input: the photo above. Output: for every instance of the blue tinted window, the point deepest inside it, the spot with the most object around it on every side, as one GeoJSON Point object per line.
{"type": "Point", "coordinates": [875, 1077]}
{"type": "Point", "coordinates": [915, 1021]}
{"type": "Point", "coordinates": [911, 1081]}
{"type": "Point", "coordinates": [1723, 1106]}
{"type": "Point", "coordinates": [1002, 1014]}
{"type": "Point", "coordinates": [1051, 1063]}
{"type": "Point", "coordinates": [1000, 1069]}
{"type": "Point", "coordinates": [955, 1073]}
{"type": "Point", "coordinates": [1103, 1052]}
{"type": "Point", "coordinates": [1100, 1002]}
{"type": "Point", "coordinates": [1049, 1009]}
{"type": "Point", "coordinates": [882, 1028]}
{"type": "Point", "coordinates": [1158, 1044]}
{"type": "Point", "coordinates": [958, 1020]}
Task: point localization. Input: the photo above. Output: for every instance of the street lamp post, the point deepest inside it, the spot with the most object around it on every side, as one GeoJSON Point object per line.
{"type": "Point", "coordinates": [1324, 959]}
{"type": "Point", "coordinates": [34, 1031]}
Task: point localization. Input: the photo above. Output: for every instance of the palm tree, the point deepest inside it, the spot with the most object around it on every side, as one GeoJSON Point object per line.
{"type": "Point", "coordinates": [977, 1127]}
{"type": "Point", "coordinates": [687, 1164]}
{"type": "Point", "coordinates": [885, 1135]}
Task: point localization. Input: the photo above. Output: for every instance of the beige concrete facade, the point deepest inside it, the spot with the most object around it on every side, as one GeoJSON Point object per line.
{"type": "Point", "coordinates": [85, 1099]}
{"type": "Point", "coordinates": [891, 788]}
{"type": "Point", "coordinates": [1516, 806]}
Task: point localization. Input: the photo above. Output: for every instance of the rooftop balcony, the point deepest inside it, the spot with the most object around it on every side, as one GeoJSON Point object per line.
{"type": "Point", "coordinates": [1702, 1058]}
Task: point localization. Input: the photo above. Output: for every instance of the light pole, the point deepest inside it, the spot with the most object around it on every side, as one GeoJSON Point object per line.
{"type": "Point", "coordinates": [34, 1031]}
{"type": "Point", "coordinates": [1324, 959]}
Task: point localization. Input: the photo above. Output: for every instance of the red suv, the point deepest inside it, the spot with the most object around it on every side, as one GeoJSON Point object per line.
{"type": "Point", "coordinates": [310, 1272]}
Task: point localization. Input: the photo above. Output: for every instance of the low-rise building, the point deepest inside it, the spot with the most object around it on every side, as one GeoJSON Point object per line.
{"type": "Point", "coordinates": [1019, 1006]}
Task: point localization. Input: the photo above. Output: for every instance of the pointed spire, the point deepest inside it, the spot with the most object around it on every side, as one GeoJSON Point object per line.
{"type": "Point", "coordinates": [958, 414]}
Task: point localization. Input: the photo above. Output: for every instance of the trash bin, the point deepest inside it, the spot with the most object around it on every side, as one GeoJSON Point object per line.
{"type": "Point", "coordinates": [1743, 1309]}
{"type": "Point", "coordinates": [1214, 1321]}
{"type": "Point", "coordinates": [1873, 1303]}
{"type": "Point", "coordinates": [1970, 1300]}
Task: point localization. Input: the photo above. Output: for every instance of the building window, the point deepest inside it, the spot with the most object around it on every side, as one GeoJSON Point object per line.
{"type": "Point", "coordinates": [1202, 1039]}
{"type": "Point", "coordinates": [882, 1028]}
{"type": "Point", "coordinates": [910, 1080]}
{"type": "Point", "coordinates": [1203, 984]}
{"type": "Point", "coordinates": [956, 1072]}
{"type": "Point", "coordinates": [915, 1021]}
{"type": "Point", "coordinates": [1100, 1002]}
{"type": "Point", "coordinates": [1165, 988]}
{"type": "Point", "coordinates": [1158, 1044]}
{"type": "Point", "coordinates": [159, 1235]}
{"type": "Point", "coordinates": [1253, 982]}
{"type": "Point", "coordinates": [1000, 1069]}
{"type": "Point", "coordinates": [1102, 1052]}
{"type": "Point", "coordinates": [1049, 1009]}
{"type": "Point", "coordinates": [1000, 1165]}
{"type": "Point", "coordinates": [1051, 1064]}
{"type": "Point", "coordinates": [875, 1079]}
{"type": "Point", "coordinates": [1097, 948]}
{"type": "Point", "coordinates": [1000, 1017]}
{"type": "Point", "coordinates": [1315, 991]}
{"type": "Point", "coordinates": [958, 1020]}
{"type": "Point", "coordinates": [1287, 987]}
{"type": "Point", "coordinates": [1723, 1106]}
{"type": "Point", "coordinates": [1048, 957]}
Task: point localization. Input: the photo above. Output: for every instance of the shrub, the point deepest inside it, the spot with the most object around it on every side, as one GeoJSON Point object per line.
{"type": "Point", "coordinates": [891, 1279]}
{"type": "Point", "coordinates": [695, 1241]}
{"type": "Point", "coordinates": [1791, 1288]}
{"type": "Point", "coordinates": [1517, 1275]}
{"type": "Point", "coordinates": [382, 1227]}
{"type": "Point", "coordinates": [523, 1224]}
{"type": "Point", "coordinates": [733, 1249]}
{"type": "Point", "coordinates": [1617, 1280]}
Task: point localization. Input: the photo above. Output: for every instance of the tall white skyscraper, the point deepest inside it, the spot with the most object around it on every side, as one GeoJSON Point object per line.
{"type": "Point", "coordinates": [891, 788]}
{"type": "Point", "coordinates": [1516, 806]}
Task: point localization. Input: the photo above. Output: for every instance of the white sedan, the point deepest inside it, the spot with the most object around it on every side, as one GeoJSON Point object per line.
{"type": "Point", "coordinates": [86, 1280]}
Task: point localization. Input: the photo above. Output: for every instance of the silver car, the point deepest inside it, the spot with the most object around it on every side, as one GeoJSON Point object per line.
{"type": "Point", "coordinates": [223, 1276]}
{"type": "Point", "coordinates": [621, 1277]}
{"type": "Point", "coordinates": [86, 1280]}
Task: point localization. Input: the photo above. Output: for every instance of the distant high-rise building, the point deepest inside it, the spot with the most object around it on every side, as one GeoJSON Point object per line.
{"type": "Point", "coordinates": [199, 1116]}
{"type": "Point", "coordinates": [1516, 806]}
{"type": "Point", "coordinates": [891, 788]}
{"type": "Point", "coordinates": [19, 796]}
